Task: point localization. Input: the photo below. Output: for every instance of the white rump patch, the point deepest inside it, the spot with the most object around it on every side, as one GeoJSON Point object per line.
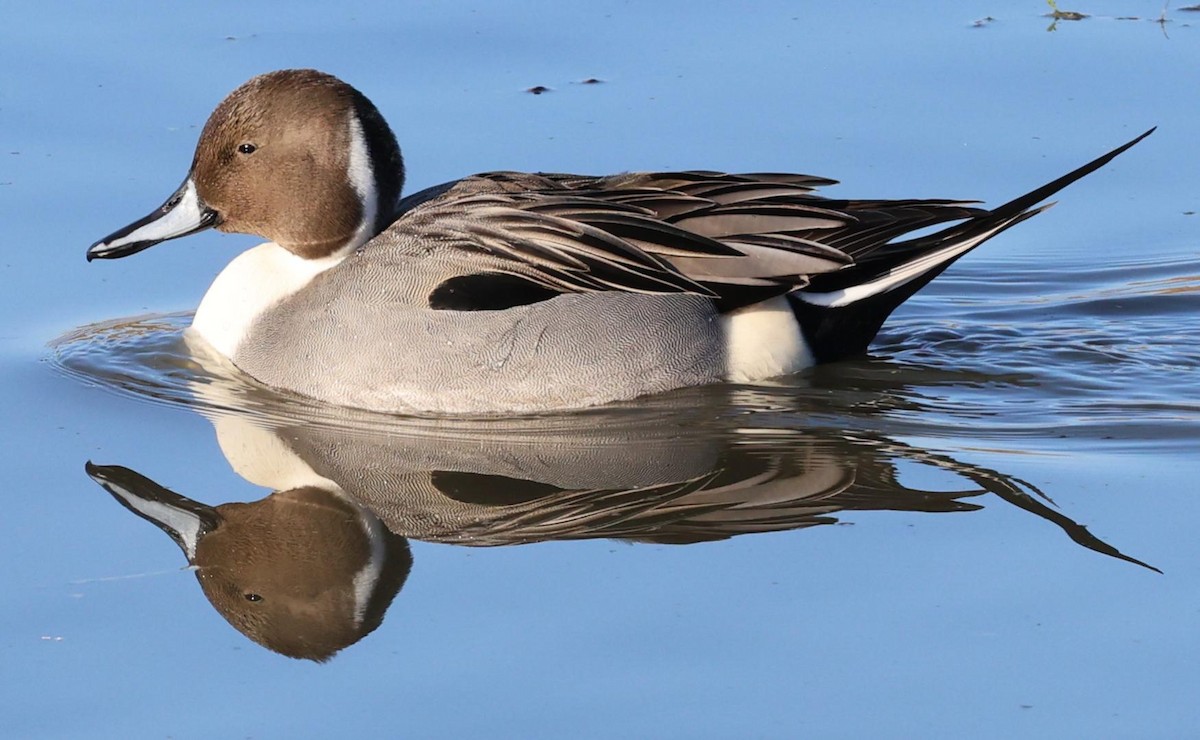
{"type": "Point", "coordinates": [764, 341]}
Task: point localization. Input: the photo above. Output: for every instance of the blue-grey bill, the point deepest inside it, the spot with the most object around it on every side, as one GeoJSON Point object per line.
{"type": "Point", "coordinates": [185, 520]}
{"type": "Point", "coordinates": [183, 213]}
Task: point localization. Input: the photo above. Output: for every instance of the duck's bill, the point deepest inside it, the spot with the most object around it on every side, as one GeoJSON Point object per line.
{"type": "Point", "coordinates": [185, 520]}
{"type": "Point", "coordinates": [183, 213]}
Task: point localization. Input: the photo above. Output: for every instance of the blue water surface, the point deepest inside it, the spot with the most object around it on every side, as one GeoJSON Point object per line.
{"type": "Point", "coordinates": [1061, 358]}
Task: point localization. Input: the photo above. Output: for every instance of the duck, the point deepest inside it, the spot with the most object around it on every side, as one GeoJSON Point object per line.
{"type": "Point", "coordinates": [524, 292]}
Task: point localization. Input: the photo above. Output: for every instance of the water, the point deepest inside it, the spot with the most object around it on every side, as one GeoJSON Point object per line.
{"type": "Point", "coordinates": [924, 542]}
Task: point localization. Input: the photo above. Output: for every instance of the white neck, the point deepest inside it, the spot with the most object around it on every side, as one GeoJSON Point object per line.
{"type": "Point", "coordinates": [256, 453]}
{"type": "Point", "coordinates": [256, 280]}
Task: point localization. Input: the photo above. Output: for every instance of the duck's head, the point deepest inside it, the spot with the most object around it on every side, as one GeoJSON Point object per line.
{"type": "Point", "coordinates": [295, 156]}
{"type": "Point", "coordinates": [304, 572]}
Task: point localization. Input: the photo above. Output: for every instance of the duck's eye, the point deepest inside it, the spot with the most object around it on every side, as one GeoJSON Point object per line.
{"type": "Point", "coordinates": [246, 148]}
{"type": "Point", "coordinates": [252, 597]}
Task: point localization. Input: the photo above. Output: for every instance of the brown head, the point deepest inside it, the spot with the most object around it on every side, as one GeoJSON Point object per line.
{"type": "Point", "coordinates": [295, 156]}
{"type": "Point", "coordinates": [303, 572]}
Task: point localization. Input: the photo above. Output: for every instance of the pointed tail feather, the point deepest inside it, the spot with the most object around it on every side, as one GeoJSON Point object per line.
{"type": "Point", "coordinates": [840, 318]}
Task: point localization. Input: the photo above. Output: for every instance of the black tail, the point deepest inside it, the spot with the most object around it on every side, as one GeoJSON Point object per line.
{"type": "Point", "coordinates": [841, 312]}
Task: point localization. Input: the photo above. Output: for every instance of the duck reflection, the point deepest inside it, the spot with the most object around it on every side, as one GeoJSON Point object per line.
{"type": "Point", "coordinates": [313, 567]}
{"type": "Point", "coordinates": [304, 572]}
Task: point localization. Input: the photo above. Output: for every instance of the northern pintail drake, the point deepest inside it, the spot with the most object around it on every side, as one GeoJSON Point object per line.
{"type": "Point", "coordinates": [517, 292]}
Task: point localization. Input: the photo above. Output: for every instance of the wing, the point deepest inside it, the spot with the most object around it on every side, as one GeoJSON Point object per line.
{"type": "Point", "coordinates": [737, 239]}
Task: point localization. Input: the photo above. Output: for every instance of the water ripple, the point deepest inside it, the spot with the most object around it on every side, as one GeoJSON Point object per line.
{"type": "Point", "coordinates": [1038, 358]}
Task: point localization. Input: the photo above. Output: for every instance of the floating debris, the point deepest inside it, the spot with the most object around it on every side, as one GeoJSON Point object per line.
{"type": "Point", "coordinates": [1063, 15]}
{"type": "Point", "coordinates": [982, 22]}
{"type": "Point", "coordinates": [591, 81]}
{"type": "Point", "coordinates": [538, 89]}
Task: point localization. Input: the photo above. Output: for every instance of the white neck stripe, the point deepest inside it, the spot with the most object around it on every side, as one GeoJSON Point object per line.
{"type": "Point", "coordinates": [361, 175]}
